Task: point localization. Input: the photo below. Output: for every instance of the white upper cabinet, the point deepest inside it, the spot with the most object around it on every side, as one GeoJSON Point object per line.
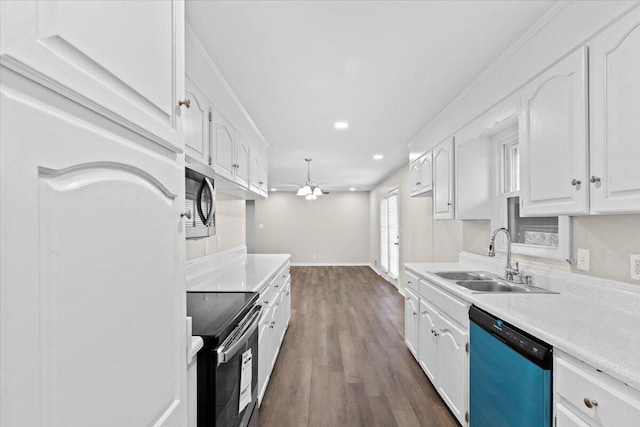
{"type": "Point", "coordinates": [224, 150]}
{"type": "Point", "coordinates": [474, 169]}
{"type": "Point", "coordinates": [258, 173]}
{"type": "Point", "coordinates": [553, 140]}
{"type": "Point", "coordinates": [126, 64]}
{"type": "Point", "coordinates": [94, 278]}
{"type": "Point", "coordinates": [241, 164]}
{"type": "Point", "coordinates": [615, 117]}
{"type": "Point", "coordinates": [421, 175]}
{"type": "Point", "coordinates": [443, 180]}
{"type": "Point", "coordinates": [196, 124]}
{"type": "Point", "coordinates": [414, 177]}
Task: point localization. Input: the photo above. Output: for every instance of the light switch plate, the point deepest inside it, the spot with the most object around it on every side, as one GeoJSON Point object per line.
{"type": "Point", "coordinates": [584, 259]}
{"type": "Point", "coordinates": [635, 266]}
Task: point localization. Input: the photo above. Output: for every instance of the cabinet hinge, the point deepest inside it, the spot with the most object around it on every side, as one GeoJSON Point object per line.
{"type": "Point", "coordinates": [210, 116]}
{"type": "Point", "coordinates": [466, 347]}
{"type": "Point", "coordinates": [466, 416]}
{"type": "Point", "coordinates": [210, 161]}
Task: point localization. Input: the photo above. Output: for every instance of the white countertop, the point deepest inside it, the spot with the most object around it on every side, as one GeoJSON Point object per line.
{"type": "Point", "coordinates": [597, 333]}
{"type": "Point", "coordinates": [242, 273]}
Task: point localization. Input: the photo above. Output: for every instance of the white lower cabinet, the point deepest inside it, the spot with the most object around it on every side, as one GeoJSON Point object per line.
{"type": "Point", "coordinates": [438, 337]}
{"type": "Point", "coordinates": [585, 396]}
{"type": "Point", "coordinates": [274, 320]}
{"type": "Point", "coordinates": [411, 321]}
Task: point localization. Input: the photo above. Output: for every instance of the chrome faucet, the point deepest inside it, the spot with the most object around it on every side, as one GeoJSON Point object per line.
{"type": "Point", "coordinates": [510, 271]}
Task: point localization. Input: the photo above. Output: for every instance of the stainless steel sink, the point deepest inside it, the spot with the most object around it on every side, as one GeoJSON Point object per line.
{"type": "Point", "coordinates": [464, 275]}
{"type": "Point", "coordinates": [481, 282]}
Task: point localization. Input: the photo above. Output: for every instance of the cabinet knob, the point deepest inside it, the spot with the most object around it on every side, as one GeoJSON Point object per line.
{"type": "Point", "coordinates": [409, 282]}
{"type": "Point", "coordinates": [186, 102]}
{"type": "Point", "coordinates": [186, 214]}
{"type": "Point", "coordinates": [415, 313]}
{"type": "Point", "coordinates": [434, 332]}
{"type": "Point", "coordinates": [595, 179]}
{"type": "Point", "coordinates": [418, 183]}
{"type": "Point", "coordinates": [260, 182]}
{"type": "Point", "coordinates": [449, 204]}
{"type": "Point", "coordinates": [590, 403]}
{"type": "Point", "coordinates": [575, 182]}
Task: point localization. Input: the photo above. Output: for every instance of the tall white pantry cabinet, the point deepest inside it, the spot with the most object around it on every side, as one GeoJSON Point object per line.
{"type": "Point", "coordinates": [92, 301]}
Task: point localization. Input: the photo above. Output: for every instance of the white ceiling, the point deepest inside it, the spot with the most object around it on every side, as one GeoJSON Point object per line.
{"type": "Point", "coordinates": [388, 68]}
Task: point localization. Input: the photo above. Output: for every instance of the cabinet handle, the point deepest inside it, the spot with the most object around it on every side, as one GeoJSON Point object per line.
{"type": "Point", "coordinates": [575, 182]}
{"type": "Point", "coordinates": [277, 286]}
{"type": "Point", "coordinates": [449, 204]}
{"type": "Point", "coordinates": [595, 179]}
{"type": "Point", "coordinates": [434, 332]}
{"type": "Point", "coordinates": [260, 182]}
{"type": "Point", "coordinates": [418, 183]}
{"type": "Point", "coordinates": [186, 214]}
{"type": "Point", "coordinates": [415, 313]}
{"type": "Point", "coordinates": [271, 325]}
{"type": "Point", "coordinates": [409, 282]}
{"type": "Point", "coordinates": [288, 293]}
{"type": "Point", "coordinates": [186, 102]}
{"type": "Point", "coordinates": [590, 403]}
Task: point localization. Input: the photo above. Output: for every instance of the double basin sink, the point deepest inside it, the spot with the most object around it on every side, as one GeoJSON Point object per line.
{"type": "Point", "coordinates": [488, 283]}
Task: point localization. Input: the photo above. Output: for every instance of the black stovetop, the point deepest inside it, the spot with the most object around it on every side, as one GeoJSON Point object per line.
{"type": "Point", "coordinates": [215, 314]}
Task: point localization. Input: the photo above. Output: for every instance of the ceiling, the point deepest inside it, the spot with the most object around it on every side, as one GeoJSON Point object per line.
{"type": "Point", "coordinates": [387, 68]}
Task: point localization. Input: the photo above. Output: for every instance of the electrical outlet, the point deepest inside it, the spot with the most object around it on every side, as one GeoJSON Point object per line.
{"type": "Point", "coordinates": [314, 256]}
{"type": "Point", "coordinates": [584, 259]}
{"type": "Point", "coordinates": [635, 266]}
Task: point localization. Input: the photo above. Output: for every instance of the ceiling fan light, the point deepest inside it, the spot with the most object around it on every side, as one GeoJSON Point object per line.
{"type": "Point", "coordinates": [309, 197]}
{"type": "Point", "coordinates": [317, 191]}
{"type": "Point", "coordinates": [301, 192]}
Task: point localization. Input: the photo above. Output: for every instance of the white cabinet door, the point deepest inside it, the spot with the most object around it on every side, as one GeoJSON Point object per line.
{"type": "Point", "coordinates": [414, 177]}
{"type": "Point", "coordinates": [428, 342]}
{"type": "Point", "coordinates": [615, 99]}
{"type": "Point", "coordinates": [92, 270]}
{"type": "Point", "coordinates": [474, 187]}
{"type": "Point", "coordinates": [224, 148]}
{"type": "Point", "coordinates": [196, 124]}
{"type": "Point", "coordinates": [123, 61]}
{"type": "Point", "coordinates": [553, 140]}
{"type": "Point", "coordinates": [255, 171]}
{"type": "Point", "coordinates": [426, 172]}
{"type": "Point", "coordinates": [264, 351]}
{"type": "Point", "coordinates": [453, 365]}
{"type": "Point", "coordinates": [443, 184]}
{"type": "Point", "coordinates": [242, 161]}
{"type": "Point", "coordinates": [566, 418]}
{"type": "Point", "coordinates": [411, 321]}
{"type": "Point", "coordinates": [264, 179]}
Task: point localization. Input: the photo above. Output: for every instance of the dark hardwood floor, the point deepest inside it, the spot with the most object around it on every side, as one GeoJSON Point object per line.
{"type": "Point", "coordinates": [344, 361]}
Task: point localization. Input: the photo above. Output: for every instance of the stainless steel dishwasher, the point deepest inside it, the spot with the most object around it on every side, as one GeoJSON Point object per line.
{"type": "Point", "coordinates": [510, 375]}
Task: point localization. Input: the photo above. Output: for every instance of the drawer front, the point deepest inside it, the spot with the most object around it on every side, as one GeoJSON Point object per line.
{"type": "Point", "coordinates": [612, 403]}
{"type": "Point", "coordinates": [412, 281]}
{"type": "Point", "coordinates": [566, 418]}
{"type": "Point", "coordinates": [445, 303]}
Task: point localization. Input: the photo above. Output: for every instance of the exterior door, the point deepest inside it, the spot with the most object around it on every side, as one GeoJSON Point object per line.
{"type": "Point", "coordinates": [92, 270]}
{"type": "Point", "coordinates": [390, 235]}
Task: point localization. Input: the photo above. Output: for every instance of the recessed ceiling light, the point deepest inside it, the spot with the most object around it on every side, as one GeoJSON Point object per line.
{"type": "Point", "coordinates": [378, 157]}
{"type": "Point", "coordinates": [273, 189]}
{"type": "Point", "coordinates": [341, 125]}
{"type": "Point", "coordinates": [352, 189]}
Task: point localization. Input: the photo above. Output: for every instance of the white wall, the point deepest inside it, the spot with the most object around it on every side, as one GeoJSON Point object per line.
{"type": "Point", "coordinates": [230, 229]}
{"type": "Point", "coordinates": [334, 227]}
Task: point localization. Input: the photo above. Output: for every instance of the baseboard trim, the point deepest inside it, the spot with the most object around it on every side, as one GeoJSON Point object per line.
{"type": "Point", "coordinates": [329, 264]}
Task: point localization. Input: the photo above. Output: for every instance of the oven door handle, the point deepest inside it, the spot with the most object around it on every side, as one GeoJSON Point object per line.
{"type": "Point", "coordinates": [228, 349]}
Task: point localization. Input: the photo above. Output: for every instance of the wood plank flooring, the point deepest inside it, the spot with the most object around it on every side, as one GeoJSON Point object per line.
{"type": "Point", "coordinates": [343, 361]}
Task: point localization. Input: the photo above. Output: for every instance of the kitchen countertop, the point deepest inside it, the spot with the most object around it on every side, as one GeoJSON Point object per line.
{"type": "Point", "coordinates": [599, 334]}
{"type": "Point", "coordinates": [243, 273]}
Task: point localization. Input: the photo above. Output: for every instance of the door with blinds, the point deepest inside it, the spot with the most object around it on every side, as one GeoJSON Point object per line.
{"type": "Point", "coordinates": [389, 235]}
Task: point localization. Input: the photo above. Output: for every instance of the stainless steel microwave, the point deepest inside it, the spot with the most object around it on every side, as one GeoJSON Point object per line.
{"type": "Point", "coordinates": [200, 200]}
